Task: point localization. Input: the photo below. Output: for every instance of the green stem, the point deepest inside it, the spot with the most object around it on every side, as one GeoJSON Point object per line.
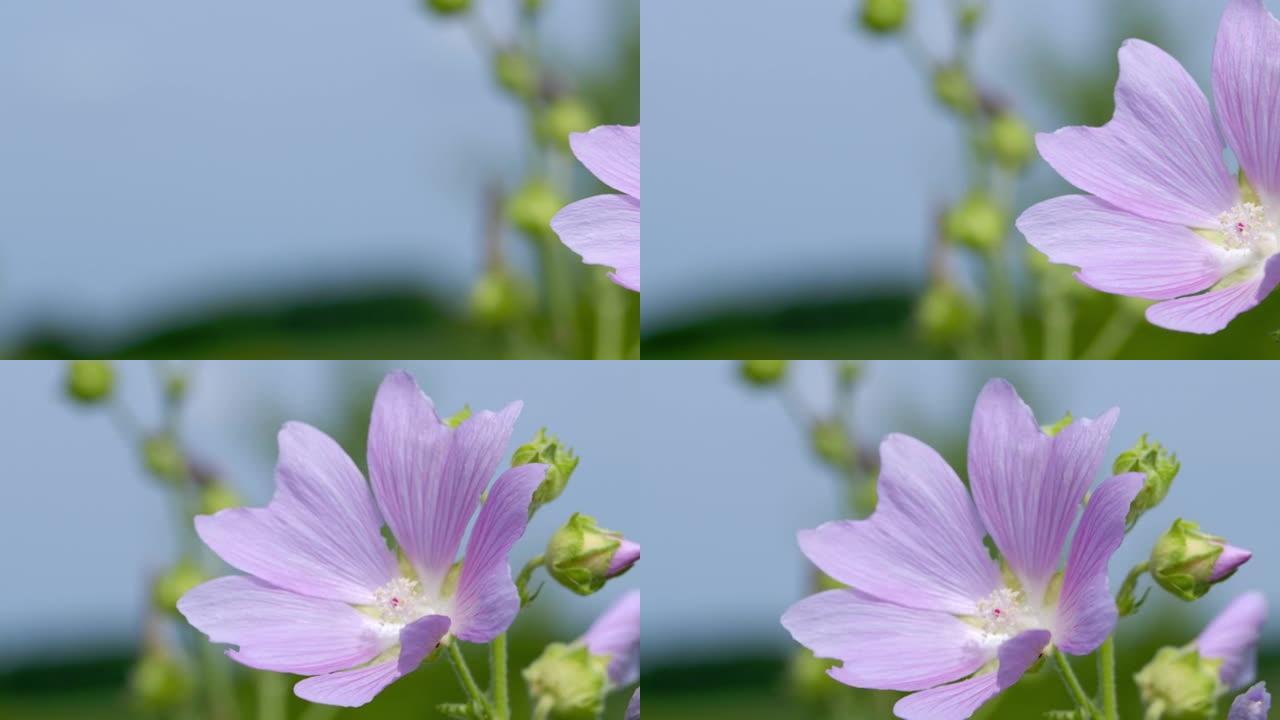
{"type": "Point", "coordinates": [1004, 306]}
{"type": "Point", "coordinates": [498, 676]}
{"type": "Point", "coordinates": [542, 710]}
{"type": "Point", "coordinates": [1057, 327]}
{"type": "Point", "coordinates": [1107, 677]}
{"type": "Point", "coordinates": [610, 330]}
{"type": "Point", "coordinates": [272, 701]}
{"type": "Point", "coordinates": [1073, 685]}
{"type": "Point", "coordinates": [468, 682]}
{"type": "Point", "coordinates": [559, 293]}
{"type": "Point", "coordinates": [222, 694]}
{"type": "Point", "coordinates": [1111, 339]}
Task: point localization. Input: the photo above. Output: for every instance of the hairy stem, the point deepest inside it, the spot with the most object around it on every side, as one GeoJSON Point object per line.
{"type": "Point", "coordinates": [498, 676]}
{"type": "Point", "coordinates": [1074, 688]}
{"type": "Point", "coordinates": [468, 682]}
{"type": "Point", "coordinates": [1107, 678]}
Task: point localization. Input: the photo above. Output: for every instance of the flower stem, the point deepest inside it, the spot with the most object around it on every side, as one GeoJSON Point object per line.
{"type": "Point", "coordinates": [1107, 677]}
{"type": "Point", "coordinates": [498, 676]}
{"type": "Point", "coordinates": [1057, 326]}
{"type": "Point", "coordinates": [1073, 685]}
{"type": "Point", "coordinates": [1111, 339]}
{"type": "Point", "coordinates": [609, 319]}
{"type": "Point", "coordinates": [1004, 306]}
{"type": "Point", "coordinates": [468, 682]}
{"type": "Point", "coordinates": [272, 702]}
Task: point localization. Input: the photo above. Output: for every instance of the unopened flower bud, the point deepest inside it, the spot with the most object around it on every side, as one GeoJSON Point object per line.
{"type": "Point", "coordinates": [162, 457]}
{"type": "Point", "coordinates": [1187, 562]}
{"type": "Point", "coordinates": [1179, 684]}
{"type": "Point", "coordinates": [217, 496]}
{"type": "Point", "coordinates": [945, 314]}
{"type": "Point", "coordinates": [160, 682]}
{"type": "Point", "coordinates": [564, 117]}
{"type": "Point", "coordinates": [831, 442]}
{"type": "Point", "coordinates": [1011, 141]}
{"type": "Point", "coordinates": [582, 556]}
{"type": "Point", "coordinates": [568, 682]}
{"type": "Point", "coordinates": [531, 208]}
{"type": "Point", "coordinates": [970, 15]}
{"type": "Point", "coordinates": [1158, 465]}
{"type": "Point", "coordinates": [953, 88]}
{"type": "Point", "coordinates": [499, 298]}
{"type": "Point", "coordinates": [448, 7]}
{"type": "Point", "coordinates": [175, 583]}
{"type": "Point", "coordinates": [763, 373]}
{"type": "Point", "coordinates": [884, 16]}
{"type": "Point", "coordinates": [90, 381]}
{"type": "Point", "coordinates": [1254, 704]}
{"type": "Point", "coordinates": [560, 462]}
{"type": "Point", "coordinates": [848, 372]}
{"type": "Point", "coordinates": [515, 73]}
{"type": "Point", "coordinates": [977, 222]}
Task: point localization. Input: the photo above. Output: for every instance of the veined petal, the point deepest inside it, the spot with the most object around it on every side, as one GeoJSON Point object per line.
{"type": "Point", "coordinates": [604, 230]}
{"type": "Point", "coordinates": [487, 599]}
{"type": "Point", "coordinates": [885, 646]}
{"type": "Point", "coordinates": [319, 536]}
{"type": "Point", "coordinates": [427, 477]}
{"type": "Point", "coordinates": [1121, 253]}
{"type": "Point", "coordinates": [1086, 611]}
{"type": "Point", "coordinates": [1233, 636]}
{"type": "Point", "coordinates": [956, 701]}
{"type": "Point", "coordinates": [280, 630]}
{"type": "Point", "coordinates": [1251, 705]}
{"type": "Point", "coordinates": [1027, 485]}
{"type": "Point", "coordinates": [611, 153]}
{"type": "Point", "coordinates": [1160, 156]}
{"type": "Point", "coordinates": [1210, 312]}
{"type": "Point", "coordinates": [1246, 86]}
{"type": "Point", "coordinates": [922, 547]}
{"type": "Point", "coordinates": [1018, 654]}
{"type": "Point", "coordinates": [353, 688]}
{"type": "Point", "coordinates": [616, 633]}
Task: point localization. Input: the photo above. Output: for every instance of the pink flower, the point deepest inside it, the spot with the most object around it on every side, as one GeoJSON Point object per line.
{"type": "Point", "coordinates": [1166, 220]}
{"type": "Point", "coordinates": [324, 596]}
{"type": "Point", "coordinates": [605, 229]}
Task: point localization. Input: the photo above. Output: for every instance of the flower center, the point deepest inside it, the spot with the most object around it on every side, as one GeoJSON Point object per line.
{"type": "Point", "coordinates": [1003, 614]}
{"type": "Point", "coordinates": [399, 602]}
{"type": "Point", "coordinates": [1247, 227]}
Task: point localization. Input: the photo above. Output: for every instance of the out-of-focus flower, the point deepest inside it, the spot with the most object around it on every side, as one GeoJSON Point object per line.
{"type": "Point", "coordinates": [1187, 562]}
{"type": "Point", "coordinates": [1232, 637]}
{"type": "Point", "coordinates": [571, 680]}
{"type": "Point", "coordinates": [90, 381]}
{"type": "Point", "coordinates": [935, 616]}
{"type": "Point", "coordinates": [884, 16]}
{"type": "Point", "coordinates": [616, 635]}
{"type": "Point", "coordinates": [605, 229]}
{"type": "Point", "coordinates": [1254, 704]}
{"type": "Point", "coordinates": [324, 596]}
{"type": "Point", "coordinates": [1165, 219]}
{"type": "Point", "coordinates": [764, 373]}
{"type": "Point", "coordinates": [633, 708]}
{"type": "Point", "coordinates": [448, 7]}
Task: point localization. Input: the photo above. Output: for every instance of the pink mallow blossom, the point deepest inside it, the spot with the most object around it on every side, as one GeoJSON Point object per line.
{"type": "Point", "coordinates": [1165, 219]}
{"type": "Point", "coordinates": [324, 596]}
{"type": "Point", "coordinates": [928, 611]}
{"type": "Point", "coordinates": [1251, 705]}
{"type": "Point", "coordinates": [605, 229]}
{"type": "Point", "coordinates": [616, 635]}
{"type": "Point", "coordinates": [1232, 637]}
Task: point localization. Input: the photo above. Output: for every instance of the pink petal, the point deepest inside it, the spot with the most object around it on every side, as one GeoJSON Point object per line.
{"type": "Point", "coordinates": [922, 548]}
{"type": "Point", "coordinates": [1209, 312]}
{"type": "Point", "coordinates": [1246, 86]}
{"type": "Point", "coordinates": [487, 599]}
{"type": "Point", "coordinates": [611, 153]}
{"type": "Point", "coordinates": [633, 708]}
{"type": "Point", "coordinates": [616, 633]}
{"type": "Point", "coordinates": [883, 645]}
{"type": "Point", "coordinates": [1233, 637]}
{"type": "Point", "coordinates": [277, 629]}
{"type": "Point", "coordinates": [1027, 485]}
{"type": "Point", "coordinates": [1086, 610]}
{"type": "Point", "coordinates": [319, 536]}
{"type": "Point", "coordinates": [1018, 654]}
{"type": "Point", "coordinates": [1160, 156]}
{"type": "Point", "coordinates": [1122, 253]}
{"type": "Point", "coordinates": [604, 230]}
{"type": "Point", "coordinates": [956, 701]}
{"type": "Point", "coordinates": [353, 688]}
{"type": "Point", "coordinates": [427, 477]}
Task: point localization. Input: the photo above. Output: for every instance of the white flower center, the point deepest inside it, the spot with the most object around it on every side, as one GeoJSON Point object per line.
{"type": "Point", "coordinates": [1247, 227]}
{"type": "Point", "coordinates": [400, 602]}
{"type": "Point", "coordinates": [1003, 614]}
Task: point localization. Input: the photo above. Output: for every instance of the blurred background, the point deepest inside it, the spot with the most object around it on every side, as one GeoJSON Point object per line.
{"type": "Point", "coordinates": [749, 464]}
{"type": "Point", "coordinates": [798, 165]}
{"type": "Point", "coordinates": [307, 179]}
{"type": "Point", "coordinates": [90, 538]}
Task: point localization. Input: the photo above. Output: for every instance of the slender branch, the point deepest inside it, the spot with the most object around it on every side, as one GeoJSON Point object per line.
{"type": "Point", "coordinates": [468, 681]}
{"type": "Point", "coordinates": [1074, 688]}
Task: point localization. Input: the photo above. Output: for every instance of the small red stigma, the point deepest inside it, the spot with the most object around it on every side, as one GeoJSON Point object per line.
{"type": "Point", "coordinates": [1240, 228]}
{"type": "Point", "coordinates": [996, 612]}
{"type": "Point", "coordinates": [395, 602]}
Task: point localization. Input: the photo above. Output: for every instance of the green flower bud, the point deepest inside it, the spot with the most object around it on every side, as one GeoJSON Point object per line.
{"type": "Point", "coordinates": [90, 381]}
{"type": "Point", "coordinates": [1157, 464]}
{"type": "Point", "coordinates": [1187, 562]}
{"type": "Point", "coordinates": [970, 16]}
{"type": "Point", "coordinates": [884, 16]}
{"type": "Point", "coordinates": [946, 314]}
{"type": "Point", "coordinates": [216, 497]}
{"type": "Point", "coordinates": [569, 681]}
{"type": "Point", "coordinates": [1178, 684]}
{"type": "Point", "coordinates": [162, 457]}
{"type": "Point", "coordinates": [831, 442]}
{"type": "Point", "coordinates": [531, 208]}
{"type": "Point", "coordinates": [763, 373]}
{"type": "Point", "coordinates": [564, 117]}
{"type": "Point", "coordinates": [582, 556]}
{"type": "Point", "coordinates": [953, 88]}
{"type": "Point", "coordinates": [175, 387]}
{"type": "Point", "coordinates": [977, 222]}
{"type": "Point", "coordinates": [499, 298]}
{"type": "Point", "coordinates": [560, 462]}
{"type": "Point", "coordinates": [160, 682]}
{"type": "Point", "coordinates": [448, 7]}
{"type": "Point", "coordinates": [1054, 429]}
{"type": "Point", "coordinates": [174, 583]}
{"type": "Point", "coordinates": [515, 73]}
{"type": "Point", "coordinates": [1011, 141]}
